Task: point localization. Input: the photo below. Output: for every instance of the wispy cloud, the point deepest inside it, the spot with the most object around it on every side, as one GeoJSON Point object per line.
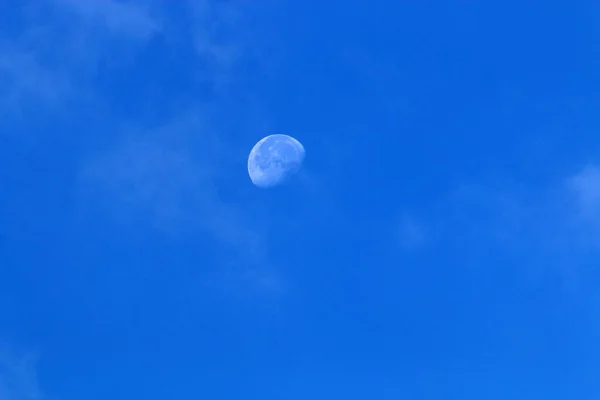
{"type": "Point", "coordinates": [18, 380]}
{"type": "Point", "coordinates": [585, 189]}
{"type": "Point", "coordinates": [164, 173]}
{"type": "Point", "coordinates": [54, 56]}
{"type": "Point", "coordinates": [211, 25]}
{"type": "Point", "coordinates": [132, 19]}
{"type": "Point", "coordinates": [553, 225]}
{"type": "Point", "coordinates": [171, 176]}
{"type": "Point", "coordinates": [171, 179]}
{"type": "Point", "coordinates": [26, 84]}
{"type": "Point", "coordinates": [218, 36]}
{"type": "Point", "coordinates": [410, 233]}
{"type": "Point", "coordinates": [61, 46]}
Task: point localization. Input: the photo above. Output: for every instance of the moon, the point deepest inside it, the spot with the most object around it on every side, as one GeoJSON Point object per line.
{"type": "Point", "coordinates": [274, 159]}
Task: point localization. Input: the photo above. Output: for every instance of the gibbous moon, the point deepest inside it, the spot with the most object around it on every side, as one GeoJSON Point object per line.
{"type": "Point", "coordinates": [274, 159]}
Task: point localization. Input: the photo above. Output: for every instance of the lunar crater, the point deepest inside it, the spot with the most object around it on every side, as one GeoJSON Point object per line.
{"type": "Point", "coordinates": [274, 159]}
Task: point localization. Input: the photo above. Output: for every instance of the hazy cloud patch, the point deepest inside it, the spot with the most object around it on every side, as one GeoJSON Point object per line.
{"type": "Point", "coordinates": [18, 378]}
{"type": "Point", "coordinates": [410, 233]}
{"type": "Point", "coordinates": [585, 188]}
{"type": "Point", "coordinates": [130, 18]}
{"type": "Point", "coordinates": [171, 180]}
{"type": "Point", "coordinates": [554, 224]}
{"type": "Point", "coordinates": [25, 83]}
{"type": "Point", "coordinates": [49, 63]}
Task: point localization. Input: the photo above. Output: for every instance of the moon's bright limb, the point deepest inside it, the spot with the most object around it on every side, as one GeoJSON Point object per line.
{"type": "Point", "coordinates": [274, 159]}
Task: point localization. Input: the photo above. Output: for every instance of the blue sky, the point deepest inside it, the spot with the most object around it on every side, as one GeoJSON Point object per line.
{"type": "Point", "coordinates": [443, 240]}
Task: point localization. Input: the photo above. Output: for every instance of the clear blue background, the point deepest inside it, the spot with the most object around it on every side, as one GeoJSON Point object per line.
{"type": "Point", "coordinates": [441, 241]}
